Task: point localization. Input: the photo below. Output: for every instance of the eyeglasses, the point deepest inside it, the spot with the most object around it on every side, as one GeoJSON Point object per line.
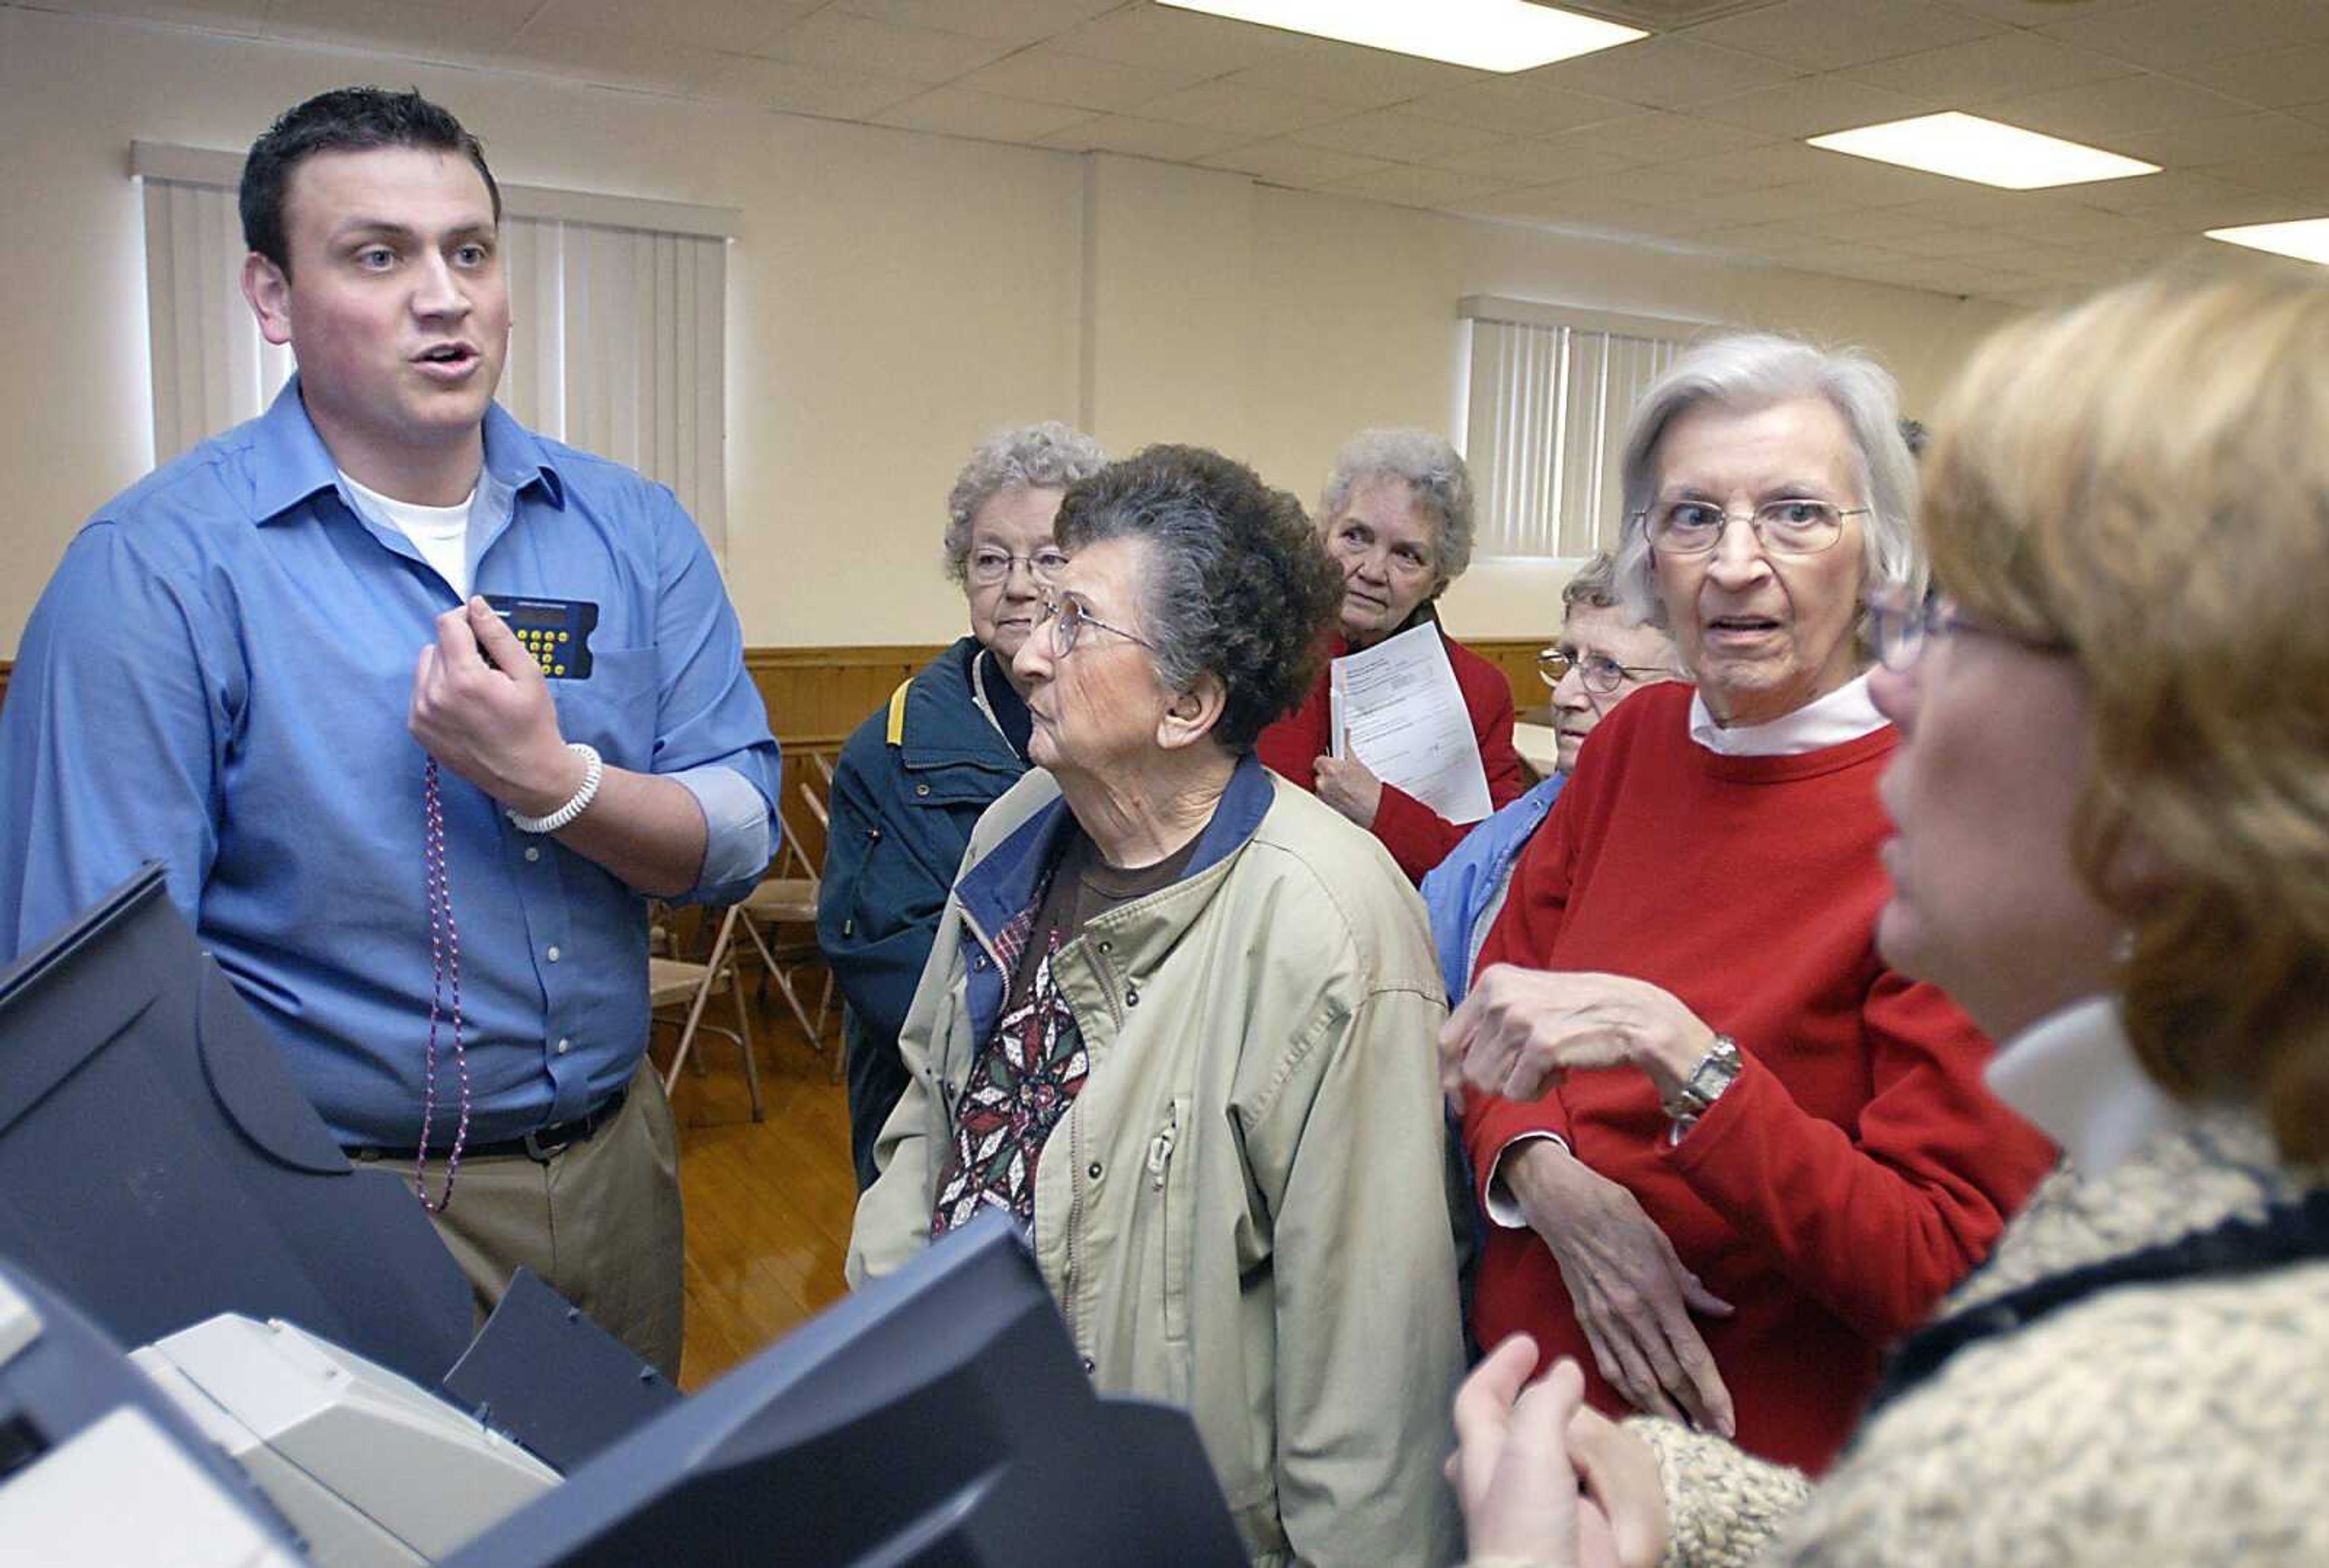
{"type": "Point", "coordinates": [1601, 674]}
{"type": "Point", "coordinates": [1799, 526]}
{"type": "Point", "coordinates": [1067, 622]}
{"type": "Point", "coordinates": [989, 567]}
{"type": "Point", "coordinates": [1899, 630]}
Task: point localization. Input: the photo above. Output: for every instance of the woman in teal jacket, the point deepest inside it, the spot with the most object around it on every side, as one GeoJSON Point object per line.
{"type": "Point", "coordinates": [919, 771]}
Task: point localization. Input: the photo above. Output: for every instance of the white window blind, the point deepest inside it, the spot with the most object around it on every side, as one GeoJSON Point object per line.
{"type": "Point", "coordinates": [619, 345]}
{"type": "Point", "coordinates": [1550, 394]}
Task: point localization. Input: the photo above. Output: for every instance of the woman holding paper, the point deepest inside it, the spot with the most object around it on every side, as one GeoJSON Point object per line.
{"type": "Point", "coordinates": [1397, 517]}
{"type": "Point", "coordinates": [1772, 1153]}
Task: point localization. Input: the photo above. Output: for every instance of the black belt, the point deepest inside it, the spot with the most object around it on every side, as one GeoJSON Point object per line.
{"type": "Point", "coordinates": [539, 1145]}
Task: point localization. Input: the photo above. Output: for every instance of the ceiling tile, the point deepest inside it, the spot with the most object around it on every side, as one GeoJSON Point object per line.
{"type": "Point", "coordinates": [2099, 113]}
{"type": "Point", "coordinates": [2008, 65]}
{"type": "Point", "coordinates": [2042, 13]}
{"type": "Point", "coordinates": [777, 84]}
{"type": "Point", "coordinates": [1865, 182]}
{"type": "Point", "coordinates": [1530, 161]}
{"type": "Point", "coordinates": [2303, 176]}
{"type": "Point", "coordinates": [1346, 73]}
{"type": "Point", "coordinates": [1943, 243]}
{"type": "Point", "coordinates": [1520, 106]}
{"type": "Point", "coordinates": [1176, 41]}
{"type": "Point", "coordinates": [1410, 186]}
{"type": "Point", "coordinates": [1775, 205]}
{"type": "Point", "coordinates": [1284, 162]}
{"type": "Point", "coordinates": [1591, 204]}
{"type": "Point", "coordinates": [1772, 164]}
{"type": "Point", "coordinates": [236, 18]}
{"type": "Point", "coordinates": [2177, 197]}
{"type": "Point", "coordinates": [2172, 34]}
{"type": "Point", "coordinates": [1241, 108]}
{"type": "Point", "coordinates": [729, 26]}
{"type": "Point", "coordinates": [1824, 34]}
{"type": "Point", "coordinates": [2274, 78]}
{"type": "Point", "coordinates": [425, 32]}
{"type": "Point", "coordinates": [1397, 135]}
{"type": "Point", "coordinates": [837, 40]}
{"type": "Point", "coordinates": [1655, 137]}
{"type": "Point", "coordinates": [958, 111]}
{"type": "Point", "coordinates": [2056, 264]}
{"type": "Point", "coordinates": [1666, 73]}
{"type": "Point", "coordinates": [619, 58]}
{"type": "Point", "coordinates": [1046, 75]}
{"type": "Point", "coordinates": [1811, 107]}
{"type": "Point", "coordinates": [1144, 138]}
{"type": "Point", "coordinates": [1670, 184]}
{"type": "Point", "coordinates": [1980, 207]}
{"type": "Point", "coordinates": [1876, 225]}
{"type": "Point", "coordinates": [1013, 21]}
{"type": "Point", "coordinates": [2247, 137]}
{"type": "Point", "coordinates": [2081, 226]}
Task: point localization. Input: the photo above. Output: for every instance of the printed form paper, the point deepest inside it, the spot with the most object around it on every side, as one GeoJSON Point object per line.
{"type": "Point", "coordinates": [1396, 708]}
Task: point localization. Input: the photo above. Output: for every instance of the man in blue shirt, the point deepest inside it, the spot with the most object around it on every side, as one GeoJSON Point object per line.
{"type": "Point", "coordinates": [419, 844]}
{"type": "Point", "coordinates": [1605, 655]}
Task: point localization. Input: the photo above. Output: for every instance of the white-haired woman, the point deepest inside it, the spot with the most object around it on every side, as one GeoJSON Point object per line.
{"type": "Point", "coordinates": [914, 777]}
{"type": "Point", "coordinates": [1772, 1153]}
{"type": "Point", "coordinates": [2113, 845]}
{"type": "Point", "coordinates": [1397, 517]}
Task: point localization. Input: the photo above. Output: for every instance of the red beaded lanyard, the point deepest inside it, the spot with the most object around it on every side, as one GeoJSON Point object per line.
{"type": "Point", "coordinates": [445, 960]}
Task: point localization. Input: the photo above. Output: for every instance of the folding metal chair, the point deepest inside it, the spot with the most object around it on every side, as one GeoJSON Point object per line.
{"type": "Point", "coordinates": [677, 983]}
{"type": "Point", "coordinates": [789, 898]}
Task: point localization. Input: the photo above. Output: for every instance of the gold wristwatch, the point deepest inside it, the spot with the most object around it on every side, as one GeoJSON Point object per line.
{"type": "Point", "coordinates": [1716, 1072]}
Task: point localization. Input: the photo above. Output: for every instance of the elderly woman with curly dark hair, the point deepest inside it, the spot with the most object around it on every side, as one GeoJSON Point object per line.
{"type": "Point", "coordinates": [2110, 810]}
{"type": "Point", "coordinates": [1178, 1021]}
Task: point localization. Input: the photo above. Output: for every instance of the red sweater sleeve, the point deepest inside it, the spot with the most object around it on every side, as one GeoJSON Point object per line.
{"type": "Point", "coordinates": [1417, 836]}
{"type": "Point", "coordinates": [1877, 1226]}
{"type": "Point", "coordinates": [1523, 934]}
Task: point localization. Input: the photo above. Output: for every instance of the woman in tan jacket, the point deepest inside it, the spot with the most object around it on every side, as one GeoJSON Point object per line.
{"type": "Point", "coordinates": [2113, 850]}
{"type": "Point", "coordinates": [1178, 1021]}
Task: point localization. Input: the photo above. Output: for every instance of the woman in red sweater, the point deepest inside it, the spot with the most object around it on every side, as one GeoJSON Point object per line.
{"type": "Point", "coordinates": [1397, 517]}
{"type": "Point", "coordinates": [1770, 1154]}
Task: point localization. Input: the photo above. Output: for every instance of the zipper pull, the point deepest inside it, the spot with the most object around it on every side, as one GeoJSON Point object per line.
{"type": "Point", "coordinates": [1160, 1150]}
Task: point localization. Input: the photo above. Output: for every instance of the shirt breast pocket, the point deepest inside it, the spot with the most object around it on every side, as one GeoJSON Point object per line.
{"type": "Point", "coordinates": [615, 710]}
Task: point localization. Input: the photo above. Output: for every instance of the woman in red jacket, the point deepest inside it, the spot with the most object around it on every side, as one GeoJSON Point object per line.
{"type": "Point", "coordinates": [1397, 517]}
{"type": "Point", "coordinates": [1770, 1153]}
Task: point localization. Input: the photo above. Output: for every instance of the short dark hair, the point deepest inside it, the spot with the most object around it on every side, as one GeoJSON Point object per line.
{"type": "Point", "coordinates": [345, 120]}
{"type": "Point", "coordinates": [1239, 586]}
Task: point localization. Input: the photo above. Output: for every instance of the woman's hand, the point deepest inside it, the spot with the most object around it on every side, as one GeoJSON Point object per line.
{"type": "Point", "coordinates": [1544, 1481]}
{"type": "Point", "coordinates": [1519, 1030]}
{"type": "Point", "coordinates": [1346, 784]}
{"type": "Point", "coordinates": [1632, 1295]}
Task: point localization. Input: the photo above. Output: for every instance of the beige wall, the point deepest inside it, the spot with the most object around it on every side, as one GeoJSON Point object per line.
{"type": "Point", "coordinates": [894, 296]}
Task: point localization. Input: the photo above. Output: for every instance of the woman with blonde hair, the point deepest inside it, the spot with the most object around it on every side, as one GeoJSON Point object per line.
{"type": "Point", "coordinates": [2112, 805]}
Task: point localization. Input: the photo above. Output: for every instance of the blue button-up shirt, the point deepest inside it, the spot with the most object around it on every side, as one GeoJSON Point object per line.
{"type": "Point", "coordinates": [218, 678]}
{"type": "Point", "coordinates": [1463, 892]}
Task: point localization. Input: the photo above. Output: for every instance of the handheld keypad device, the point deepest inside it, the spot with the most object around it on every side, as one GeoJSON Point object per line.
{"type": "Point", "coordinates": [555, 631]}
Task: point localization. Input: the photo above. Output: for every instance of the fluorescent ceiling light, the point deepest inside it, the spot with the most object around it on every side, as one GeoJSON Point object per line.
{"type": "Point", "coordinates": [2306, 239]}
{"type": "Point", "coordinates": [1488, 34]}
{"type": "Point", "coordinates": [1966, 147]}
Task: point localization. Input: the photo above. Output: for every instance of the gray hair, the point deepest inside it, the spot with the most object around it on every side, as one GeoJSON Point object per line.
{"type": "Point", "coordinates": [1046, 456]}
{"type": "Point", "coordinates": [1434, 473]}
{"type": "Point", "coordinates": [1752, 369]}
{"type": "Point", "coordinates": [1595, 585]}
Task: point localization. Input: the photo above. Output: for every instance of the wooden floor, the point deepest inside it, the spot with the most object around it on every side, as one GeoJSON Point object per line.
{"type": "Point", "coordinates": [768, 1202]}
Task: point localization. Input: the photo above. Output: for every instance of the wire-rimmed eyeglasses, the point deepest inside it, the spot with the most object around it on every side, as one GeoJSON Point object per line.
{"type": "Point", "coordinates": [1601, 674]}
{"type": "Point", "coordinates": [1899, 630]}
{"type": "Point", "coordinates": [1798, 525]}
{"type": "Point", "coordinates": [989, 566]}
{"type": "Point", "coordinates": [1068, 619]}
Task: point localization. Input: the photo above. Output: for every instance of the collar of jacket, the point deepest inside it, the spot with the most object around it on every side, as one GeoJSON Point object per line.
{"type": "Point", "coordinates": [944, 728]}
{"type": "Point", "coordinates": [1003, 882]}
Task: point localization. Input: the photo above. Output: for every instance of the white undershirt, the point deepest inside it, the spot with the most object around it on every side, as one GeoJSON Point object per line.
{"type": "Point", "coordinates": [441, 534]}
{"type": "Point", "coordinates": [1845, 714]}
{"type": "Point", "coordinates": [2074, 1073]}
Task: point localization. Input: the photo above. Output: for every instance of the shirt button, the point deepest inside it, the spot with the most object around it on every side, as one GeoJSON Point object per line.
{"type": "Point", "coordinates": [1132, 996]}
{"type": "Point", "coordinates": [533, 852]}
{"type": "Point", "coordinates": [552, 955]}
{"type": "Point", "coordinates": [1092, 1170]}
{"type": "Point", "coordinates": [1106, 946]}
{"type": "Point", "coordinates": [1088, 1365]}
{"type": "Point", "coordinates": [564, 1045]}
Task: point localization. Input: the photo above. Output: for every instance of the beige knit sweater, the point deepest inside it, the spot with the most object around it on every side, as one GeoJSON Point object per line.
{"type": "Point", "coordinates": [2174, 1424]}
